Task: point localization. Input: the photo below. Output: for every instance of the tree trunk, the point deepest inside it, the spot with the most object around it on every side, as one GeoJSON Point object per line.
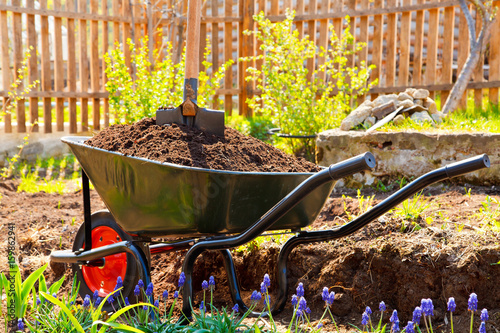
{"type": "Point", "coordinates": [477, 48]}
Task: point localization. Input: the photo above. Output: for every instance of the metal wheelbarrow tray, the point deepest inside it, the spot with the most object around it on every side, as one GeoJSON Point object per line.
{"type": "Point", "coordinates": [212, 210]}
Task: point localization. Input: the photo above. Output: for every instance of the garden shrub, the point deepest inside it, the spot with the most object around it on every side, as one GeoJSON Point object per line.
{"type": "Point", "coordinates": [133, 96]}
{"type": "Point", "coordinates": [295, 104]}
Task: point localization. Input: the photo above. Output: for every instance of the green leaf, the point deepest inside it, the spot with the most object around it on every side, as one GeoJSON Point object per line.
{"type": "Point", "coordinates": [54, 288]}
{"type": "Point", "coordinates": [116, 326]}
{"type": "Point", "coordinates": [65, 309]}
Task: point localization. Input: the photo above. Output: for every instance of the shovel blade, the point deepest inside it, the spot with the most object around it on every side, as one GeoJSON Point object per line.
{"type": "Point", "coordinates": [211, 121]}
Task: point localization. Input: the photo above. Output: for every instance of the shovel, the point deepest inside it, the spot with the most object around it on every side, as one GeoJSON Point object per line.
{"type": "Point", "coordinates": [188, 113]}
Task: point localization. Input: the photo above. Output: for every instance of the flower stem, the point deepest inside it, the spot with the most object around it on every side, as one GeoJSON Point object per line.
{"type": "Point", "coordinates": [334, 323]}
{"type": "Point", "coordinates": [451, 321]}
{"type": "Point", "coordinates": [471, 320]}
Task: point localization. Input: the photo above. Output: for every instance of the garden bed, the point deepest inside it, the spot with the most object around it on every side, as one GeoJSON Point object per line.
{"type": "Point", "coordinates": [452, 256]}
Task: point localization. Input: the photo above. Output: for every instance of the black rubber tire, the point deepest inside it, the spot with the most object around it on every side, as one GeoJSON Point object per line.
{"type": "Point", "coordinates": [132, 275]}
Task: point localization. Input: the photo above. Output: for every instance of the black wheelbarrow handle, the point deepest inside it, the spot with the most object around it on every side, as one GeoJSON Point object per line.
{"type": "Point", "coordinates": [335, 171]}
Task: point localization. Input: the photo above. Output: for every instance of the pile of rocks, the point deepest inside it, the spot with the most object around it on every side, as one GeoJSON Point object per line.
{"type": "Point", "coordinates": [413, 103]}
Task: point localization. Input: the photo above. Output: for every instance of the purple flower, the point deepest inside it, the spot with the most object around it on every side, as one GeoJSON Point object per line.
{"type": "Point", "coordinates": [119, 282]}
{"type": "Point", "coordinates": [204, 285]}
{"type": "Point", "coordinates": [482, 328]}
{"type": "Point", "coordinates": [308, 310]}
{"type": "Point", "coordinates": [368, 310]}
{"type": "Point", "coordinates": [472, 302]}
{"type": "Point", "coordinates": [54, 295]}
{"type": "Point", "coordinates": [256, 296]}
{"type": "Point", "coordinates": [417, 314]}
{"type": "Point", "coordinates": [98, 301]}
{"type": "Point", "coordinates": [202, 306]}
{"type": "Point", "coordinates": [382, 307]}
{"type": "Point", "coordinates": [127, 303]}
{"type": "Point", "coordinates": [299, 313]}
{"type": "Point", "coordinates": [137, 290]}
{"type": "Point", "coordinates": [165, 295]}
{"type": "Point", "coordinates": [267, 280]}
{"type": "Point", "coordinates": [295, 300]}
{"type": "Point", "coordinates": [157, 303]}
{"type": "Point", "coordinates": [395, 326]}
{"type": "Point", "coordinates": [302, 303]}
{"type": "Point", "coordinates": [394, 316]}
{"type": "Point", "coordinates": [236, 308]}
{"type": "Point", "coordinates": [300, 290]}
{"type": "Point", "coordinates": [149, 290]}
{"type": "Point", "coordinates": [144, 307]}
{"type": "Point", "coordinates": [484, 315]}
{"type": "Point", "coordinates": [38, 302]}
{"type": "Point", "coordinates": [325, 295]}
{"type": "Point", "coordinates": [95, 295]}
{"type": "Point", "coordinates": [365, 319]}
{"type": "Point", "coordinates": [319, 325]}
{"type": "Point", "coordinates": [140, 284]}
{"type": "Point", "coordinates": [20, 324]}
{"type": "Point", "coordinates": [111, 299]}
{"type": "Point", "coordinates": [211, 282]}
{"type": "Point", "coordinates": [427, 307]}
{"type": "Point", "coordinates": [182, 279]}
{"type": "Point", "coordinates": [332, 297]}
{"type": "Point", "coordinates": [86, 301]}
{"type": "Point", "coordinates": [263, 288]}
{"type": "Point", "coordinates": [176, 294]}
{"type": "Point", "coordinates": [409, 327]}
{"type": "Point", "coordinates": [451, 304]}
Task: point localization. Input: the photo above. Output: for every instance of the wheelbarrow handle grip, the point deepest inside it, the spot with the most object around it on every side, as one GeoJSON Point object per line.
{"type": "Point", "coordinates": [353, 165]}
{"type": "Point", "coordinates": [471, 164]}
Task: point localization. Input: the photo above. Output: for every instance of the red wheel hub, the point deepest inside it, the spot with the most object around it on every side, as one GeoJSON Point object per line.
{"type": "Point", "coordinates": [104, 278]}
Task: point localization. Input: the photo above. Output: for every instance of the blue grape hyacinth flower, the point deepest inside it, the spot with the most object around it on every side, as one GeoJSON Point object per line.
{"type": "Point", "coordinates": [119, 282]}
{"type": "Point", "coordinates": [394, 316]}
{"type": "Point", "coordinates": [295, 300]}
{"type": "Point", "coordinates": [263, 288]}
{"type": "Point", "coordinates": [482, 328]}
{"type": "Point", "coordinates": [127, 303]}
{"type": "Point", "coordinates": [204, 285]}
{"type": "Point", "coordinates": [382, 306]}
{"type": "Point", "coordinates": [86, 301]}
{"type": "Point", "coordinates": [157, 303]}
{"type": "Point", "coordinates": [472, 303]}
{"type": "Point", "coordinates": [165, 295]}
{"type": "Point", "coordinates": [111, 299]}
{"type": "Point", "coordinates": [325, 295]}
{"type": "Point", "coordinates": [267, 280]}
{"type": "Point", "coordinates": [20, 324]}
{"type": "Point", "coordinates": [256, 296]}
{"type": "Point", "coordinates": [427, 307]}
{"type": "Point", "coordinates": [368, 310]}
{"type": "Point", "coordinates": [365, 318]}
{"type": "Point", "coordinates": [417, 314]}
{"type": "Point", "coordinates": [409, 327]}
{"type": "Point", "coordinates": [182, 279]}
{"type": "Point", "coordinates": [176, 294]}
{"type": "Point", "coordinates": [149, 290]}
{"type": "Point", "coordinates": [95, 295]}
{"type": "Point", "coordinates": [137, 290]}
{"type": "Point", "coordinates": [38, 302]}
{"type": "Point", "coordinates": [140, 284]}
{"type": "Point", "coordinates": [484, 315]}
{"type": "Point", "coordinates": [236, 308]}
{"type": "Point", "coordinates": [332, 297]}
{"type": "Point", "coordinates": [302, 303]}
{"type": "Point", "coordinates": [300, 290]}
{"type": "Point", "coordinates": [202, 306]}
{"type": "Point", "coordinates": [211, 282]}
{"type": "Point", "coordinates": [451, 304]}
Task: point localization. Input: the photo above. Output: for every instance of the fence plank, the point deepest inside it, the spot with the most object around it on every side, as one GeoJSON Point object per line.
{"type": "Point", "coordinates": [215, 48]}
{"type": "Point", "coordinates": [378, 27]}
{"type": "Point", "coordinates": [58, 67]}
{"type": "Point", "coordinates": [203, 35]}
{"type": "Point", "coordinates": [105, 47]}
{"type": "Point", "coordinates": [448, 46]}
{"type": "Point", "coordinates": [126, 27]}
{"type": "Point", "coordinates": [311, 31]}
{"type": "Point", "coordinates": [6, 72]}
{"type": "Point", "coordinates": [494, 58]}
{"type": "Point", "coordinates": [46, 73]}
{"type": "Point", "coordinates": [228, 54]}
{"type": "Point", "coordinates": [94, 67]}
{"type": "Point", "coordinates": [247, 49]}
{"type": "Point", "coordinates": [18, 59]}
{"type": "Point", "coordinates": [299, 11]}
{"type": "Point", "coordinates": [71, 47]}
{"type": "Point", "coordinates": [432, 46]}
{"type": "Point", "coordinates": [84, 73]}
{"type": "Point", "coordinates": [275, 7]}
{"type": "Point", "coordinates": [363, 38]}
{"type": "Point", "coordinates": [33, 66]}
{"type": "Point", "coordinates": [463, 52]}
{"type": "Point", "coordinates": [323, 33]}
{"type": "Point", "coordinates": [479, 71]}
{"type": "Point", "coordinates": [115, 6]}
{"type": "Point", "coordinates": [404, 45]}
{"type": "Point", "coordinates": [419, 46]}
{"type": "Point", "coordinates": [390, 65]}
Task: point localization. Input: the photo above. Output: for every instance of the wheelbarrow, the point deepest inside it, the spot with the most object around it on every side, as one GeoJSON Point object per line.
{"type": "Point", "coordinates": [205, 210]}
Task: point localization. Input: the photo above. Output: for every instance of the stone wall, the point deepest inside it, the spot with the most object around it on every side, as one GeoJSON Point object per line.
{"type": "Point", "coordinates": [410, 154]}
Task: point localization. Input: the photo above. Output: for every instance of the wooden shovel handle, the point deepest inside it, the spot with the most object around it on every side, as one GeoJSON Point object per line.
{"type": "Point", "coordinates": [193, 39]}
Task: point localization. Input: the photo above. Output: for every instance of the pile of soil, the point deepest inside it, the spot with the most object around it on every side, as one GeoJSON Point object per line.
{"type": "Point", "coordinates": [184, 145]}
{"type": "Point", "coordinates": [452, 257]}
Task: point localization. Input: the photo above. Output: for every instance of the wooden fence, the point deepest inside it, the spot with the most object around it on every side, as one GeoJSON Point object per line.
{"type": "Point", "coordinates": [413, 43]}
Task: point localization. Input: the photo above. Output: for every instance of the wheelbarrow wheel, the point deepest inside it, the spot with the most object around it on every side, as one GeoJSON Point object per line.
{"type": "Point", "coordinates": [105, 231]}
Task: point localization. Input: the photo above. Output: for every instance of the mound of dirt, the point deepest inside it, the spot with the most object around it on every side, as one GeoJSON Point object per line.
{"type": "Point", "coordinates": [183, 145]}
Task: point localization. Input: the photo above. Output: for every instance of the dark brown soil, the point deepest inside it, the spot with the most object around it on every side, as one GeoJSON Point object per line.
{"type": "Point", "coordinates": [183, 145]}
{"type": "Point", "coordinates": [451, 257]}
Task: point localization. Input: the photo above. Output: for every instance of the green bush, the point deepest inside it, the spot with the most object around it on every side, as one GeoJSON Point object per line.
{"type": "Point", "coordinates": [295, 104]}
{"type": "Point", "coordinates": [138, 95]}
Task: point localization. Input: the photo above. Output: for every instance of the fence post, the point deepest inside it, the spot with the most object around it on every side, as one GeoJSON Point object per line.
{"type": "Point", "coordinates": [494, 59]}
{"type": "Point", "coordinates": [247, 49]}
{"type": "Point", "coordinates": [46, 73]}
{"type": "Point", "coordinates": [18, 58]}
{"type": "Point", "coordinates": [33, 66]}
{"type": "Point", "coordinates": [6, 73]}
